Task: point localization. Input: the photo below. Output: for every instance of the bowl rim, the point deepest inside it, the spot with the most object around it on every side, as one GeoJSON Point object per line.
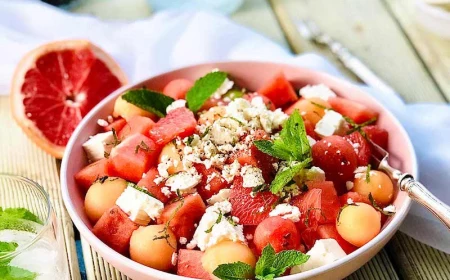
{"type": "Point", "coordinates": [105, 250]}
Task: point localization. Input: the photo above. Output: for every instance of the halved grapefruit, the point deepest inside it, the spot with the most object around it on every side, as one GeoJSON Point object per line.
{"type": "Point", "coordinates": [56, 85]}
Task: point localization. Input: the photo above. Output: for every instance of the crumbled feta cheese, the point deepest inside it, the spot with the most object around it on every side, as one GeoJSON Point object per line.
{"type": "Point", "coordinates": [158, 180]}
{"type": "Point", "coordinates": [311, 140]}
{"type": "Point", "coordinates": [286, 211]}
{"type": "Point", "coordinates": [315, 174]}
{"type": "Point", "coordinates": [317, 91]}
{"type": "Point", "coordinates": [350, 201]}
{"type": "Point", "coordinates": [180, 103]}
{"type": "Point", "coordinates": [210, 232]}
{"type": "Point", "coordinates": [225, 131]}
{"type": "Point", "coordinates": [140, 206]}
{"type": "Point", "coordinates": [324, 251]}
{"type": "Point", "coordinates": [252, 176]}
{"type": "Point", "coordinates": [349, 185]}
{"type": "Point", "coordinates": [229, 171]}
{"type": "Point", "coordinates": [249, 236]}
{"type": "Point", "coordinates": [222, 195]}
{"type": "Point", "coordinates": [226, 86]}
{"type": "Point", "coordinates": [183, 240]}
{"type": "Point", "coordinates": [102, 123]}
{"type": "Point", "coordinates": [261, 209]}
{"type": "Point", "coordinates": [184, 181]}
{"type": "Point", "coordinates": [166, 191]}
{"type": "Point", "coordinates": [389, 209]}
{"type": "Point", "coordinates": [331, 123]}
{"type": "Point", "coordinates": [174, 259]}
{"type": "Point", "coordinates": [98, 145]}
{"type": "Point", "coordinates": [360, 169]}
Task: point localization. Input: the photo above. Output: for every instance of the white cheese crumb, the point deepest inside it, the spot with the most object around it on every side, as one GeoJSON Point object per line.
{"type": "Point", "coordinates": [286, 211]}
{"type": "Point", "coordinates": [166, 191]}
{"type": "Point", "coordinates": [110, 119]}
{"type": "Point", "coordinates": [102, 123]}
{"type": "Point", "coordinates": [331, 123]}
{"type": "Point", "coordinates": [180, 103]}
{"type": "Point", "coordinates": [311, 140]}
{"type": "Point", "coordinates": [229, 171]}
{"type": "Point", "coordinates": [184, 181]}
{"type": "Point", "coordinates": [249, 236]}
{"type": "Point", "coordinates": [97, 145]}
{"type": "Point", "coordinates": [174, 259]}
{"type": "Point", "coordinates": [183, 240]}
{"type": "Point", "coordinates": [261, 209]}
{"type": "Point", "coordinates": [390, 209]}
{"type": "Point", "coordinates": [252, 176]}
{"type": "Point", "coordinates": [317, 91]}
{"type": "Point", "coordinates": [350, 201]}
{"type": "Point", "coordinates": [222, 195]}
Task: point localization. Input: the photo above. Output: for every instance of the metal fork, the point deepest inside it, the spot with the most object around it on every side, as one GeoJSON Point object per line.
{"type": "Point", "coordinates": [407, 183]}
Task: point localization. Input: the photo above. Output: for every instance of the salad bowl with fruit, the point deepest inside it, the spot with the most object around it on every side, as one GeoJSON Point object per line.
{"type": "Point", "coordinates": [236, 170]}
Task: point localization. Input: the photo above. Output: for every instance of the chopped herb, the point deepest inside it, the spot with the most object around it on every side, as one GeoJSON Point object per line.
{"type": "Point", "coordinates": [106, 154]}
{"type": "Point", "coordinates": [207, 129]}
{"type": "Point", "coordinates": [308, 213]}
{"type": "Point", "coordinates": [166, 236]}
{"type": "Point", "coordinates": [203, 89]}
{"type": "Point", "coordinates": [359, 127]}
{"type": "Point", "coordinates": [304, 188]}
{"type": "Point", "coordinates": [285, 175]}
{"type": "Point", "coordinates": [320, 105]}
{"type": "Point", "coordinates": [231, 221]}
{"type": "Point", "coordinates": [102, 179]}
{"type": "Point", "coordinates": [376, 206]}
{"type": "Point", "coordinates": [189, 140]}
{"type": "Point", "coordinates": [342, 208]}
{"type": "Point", "coordinates": [368, 173]}
{"type": "Point", "coordinates": [136, 187]}
{"type": "Point", "coordinates": [143, 146]}
{"type": "Point", "coordinates": [260, 188]}
{"type": "Point", "coordinates": [148, 100]}
{"type": "Point", "coordinates": [219, 219]}
{"type": "Point", "coordinates": [116, 138]}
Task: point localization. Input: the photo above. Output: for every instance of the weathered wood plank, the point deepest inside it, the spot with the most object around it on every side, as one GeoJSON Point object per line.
{"type": "Point", "coordinates": [433, 50]}
{"type": "Point", "coordinates": [368, 30]}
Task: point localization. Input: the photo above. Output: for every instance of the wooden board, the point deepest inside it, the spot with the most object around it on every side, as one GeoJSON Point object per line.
{"type": "Point", "coordinates": [21, 157]}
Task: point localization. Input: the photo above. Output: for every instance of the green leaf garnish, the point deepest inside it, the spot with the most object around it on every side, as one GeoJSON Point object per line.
{"type": "Point", "coordinates": [203, 89]}
{"type": "Point", "coordinates": [148, 100]}
{"type": "Point", "coordinates": [218, 220]}
{"type": "Point", "coordinates": [19, 213]}
{"type": "Point", "coordinates": [376, 206]}
{"type": "Point", "coordinates": [285, 175]}
{"type": "Point", "coordinates": [15, 273]}
{"type": "Point", "coordinates": [368, 173]}
{"type": "Point", "coordinates": [7, 247]}
{"type": "Point", "coordinates": [269, 265]}
{"type": "Point", "coordinates": [292, 145]}
{"type": "Point", "coordinates": [236, 270]}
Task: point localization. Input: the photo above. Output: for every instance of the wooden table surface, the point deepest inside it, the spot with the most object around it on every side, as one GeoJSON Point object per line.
{"type": "Point", "coordinates": [382, 33]}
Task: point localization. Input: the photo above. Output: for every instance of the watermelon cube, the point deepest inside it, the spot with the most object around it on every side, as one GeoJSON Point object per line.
{"type": "Point", "coordinates": [361, 147]}
{"type": "Point", "coordinates": [179, 122]}
{"type": "Point", "coordinates": [378, 135]}
{"type": "Point", "coordinates": [148, 182]}
{"type": "Point", "coordinates": [330, 205]}
{"type": "Point", "coordinates": [310, 206]}
{"type": "Point", "coordinates": [89, 174]}
{"type": "Point", "coordinates": [133, 157]}
{"type": "Point", "coordinates": [182, 215]}
{"type": "Point", "coordinates": [359, 113]}
{"type": "Point", "coordinates": [353, 196]}
{"type": "Point", "coordinates": [330, 231]}
{"type": "Point", "coordinates": [117, 125]}
{"type": "Point", "coordinates": [279, 90]}
{"type": "Point", "coordinates": [115, 229]}
{"type": "Point", "coordinates": [190, 264]}
{"type": "Point", "coordinates": [309, 237]}
{"type": "Point", "coordinates": [207, 189]}
{"type": "Point", "coordinates": [136, 124]}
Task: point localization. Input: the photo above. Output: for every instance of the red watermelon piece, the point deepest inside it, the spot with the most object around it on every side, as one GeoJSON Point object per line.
{"type": "Point", "coordinates": [359, 113]}
{"type": "Point", "coordinates": [360, 146]}
{"type": "Point", "coordinates": [89, 174]}
{"type": "Point", "coordinates": [115, 229]}
{"type": "Point", "coordinates": [329, 201]}
{"type": "Point", "coordinates": [136, 124]}
{"type": "Point", "coordinates": [117, 125]}
{"type": "Point", "coordinates": [330, 231]}
{"type": "Point", "coordinates": [183, 215]}
{"type": "Point", "coordinates": [310, 206]}
{"type": "Point", "coordinates": [355, 197]}
{"type": "Point", "coordinates": [247, 208]}
{"type": "Point", "coordinates": [206, 190]}
{"type": "Point", "coordinates": [309, 237]}
{"type": "Point", "coordinates": [148, 182]}
{"type": "Point", "coordinates": [179, 122]}
{"type": "Point", "coordinates": [378, 135]}
{"type": "Point", "coordinates": [279, 90]}
{"type": "Point", "coordinates": [127, 162]}
{"type": "Point", "coordinates": [190, 264]}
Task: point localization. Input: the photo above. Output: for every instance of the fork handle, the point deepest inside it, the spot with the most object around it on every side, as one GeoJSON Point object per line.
{"type": "Point", "coordinates": [420, 194]}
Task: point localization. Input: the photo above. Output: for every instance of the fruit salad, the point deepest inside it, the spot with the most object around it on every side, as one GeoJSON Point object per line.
{"type": "Point", "coordinates": [207, 179]}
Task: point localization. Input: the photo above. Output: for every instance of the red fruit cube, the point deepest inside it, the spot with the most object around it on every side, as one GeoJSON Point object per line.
{"type": "Point", "coordinates": [330, 231]}
{"type": "Point", "coordinates": [178, 88]}
{"type": "Point", "coordinates": [309, 237]}
{"type": "Point", "coordinates": [115, 229]}
{"type": "Point", "coordinates": [357, 112]}
{"type": "Point", "coordinates": [280, 233]}
{"type": "Point", "coordinates": [136, 124]}
{"type": "Point", "coordinates": [378, 135]}
{"type": "Point", "coordinates": [190, 264]}
{"type": "Point", "coordinates": [250, 210]}
{"type": "Point", "coordinates": [132, 157]}
{"type": "Point", "coordinates": [207, 189]}
{"type": "Point", "coordinates": [360, 146]}
{"type": "Point", "coordinates": [279, 90]}
{"type": "Point", "coordinates": [117, 125]}
{"type": "Point", "coordinates": [89, 174]}
{"type": "Point", "coordinates": [310, 206]}
{"type": "Point", "coordinates": [179, 122]}
{"type": "Point", "coordinates": [148, 182]}
{"type": "Point", "coordinates": [329, 201]}
{"type": "Point", "coordinates": [355, 197]}
{"type": "Point", "coordinates": [182, 215]}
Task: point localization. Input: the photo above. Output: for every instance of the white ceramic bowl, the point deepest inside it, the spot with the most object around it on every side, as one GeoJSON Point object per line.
{"type": "Point", "coordinates": [250, 75]}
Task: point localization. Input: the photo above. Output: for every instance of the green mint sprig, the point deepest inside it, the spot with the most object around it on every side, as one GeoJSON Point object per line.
{"type": "Point", "coordinates": [285, 175]}
{"type": "Point", "coordinates": [269, 265]}
{"type": "Point", "coordinates": [203, 89]}
{"type": "Point", "coordinates": [19, 213]}
{"type": "Point", "coordinates": [7, 247]}
{"type": "Point", "coordinates": [8, 272]}
{"type": "Point", "coordinates": [148, 100]}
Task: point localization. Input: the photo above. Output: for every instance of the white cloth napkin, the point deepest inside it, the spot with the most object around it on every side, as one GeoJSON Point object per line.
{"type": "Point", "coordinates": [173, 39]}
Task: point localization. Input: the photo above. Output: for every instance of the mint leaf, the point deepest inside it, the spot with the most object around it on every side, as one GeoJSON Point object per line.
{"type": "Point", "coordinates": [285, 175]}
{"type": "Point", "coordinates": [203, 89]}
{"type": "Point", "coordinates": [136, 187]}
{"type": "Point", "coordinates": [236, 270]}
{"type": "Point", "coordinates": [292, 145]}
{"type": "Point", "coordinates": [287, 259]}
{"type": "Point", "coordinates": [15, 273]}
{"type": "Point", "coordinates": [148, 100]}
{"type": "Point", "coordinates": [7, 247]}
{"type": "Point", "coordinates": [19, 213]}
{"type": "Point", "coordinates": [265, 261]}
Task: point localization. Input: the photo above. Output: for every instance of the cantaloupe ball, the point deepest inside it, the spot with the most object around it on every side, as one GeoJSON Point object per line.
{"type": "Point", "coordinates": [227, 252]}
{"type": "Point", "coordinates": [171, 152]}
{"type": "Point", "coordinates": [310, 109]}
{"type": "Point", "coordinates": [153, 246]}
{"type": "Point", "coordinates": [102, 195]}
{"type": "Point", "coordinates": [211, 115]}
{"type": "Point", "coordinates": [379, 185]}
{"type": "Point", "coordinates": [359, 223]}
{"type": "Point", "coordinates": [127, 110]}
